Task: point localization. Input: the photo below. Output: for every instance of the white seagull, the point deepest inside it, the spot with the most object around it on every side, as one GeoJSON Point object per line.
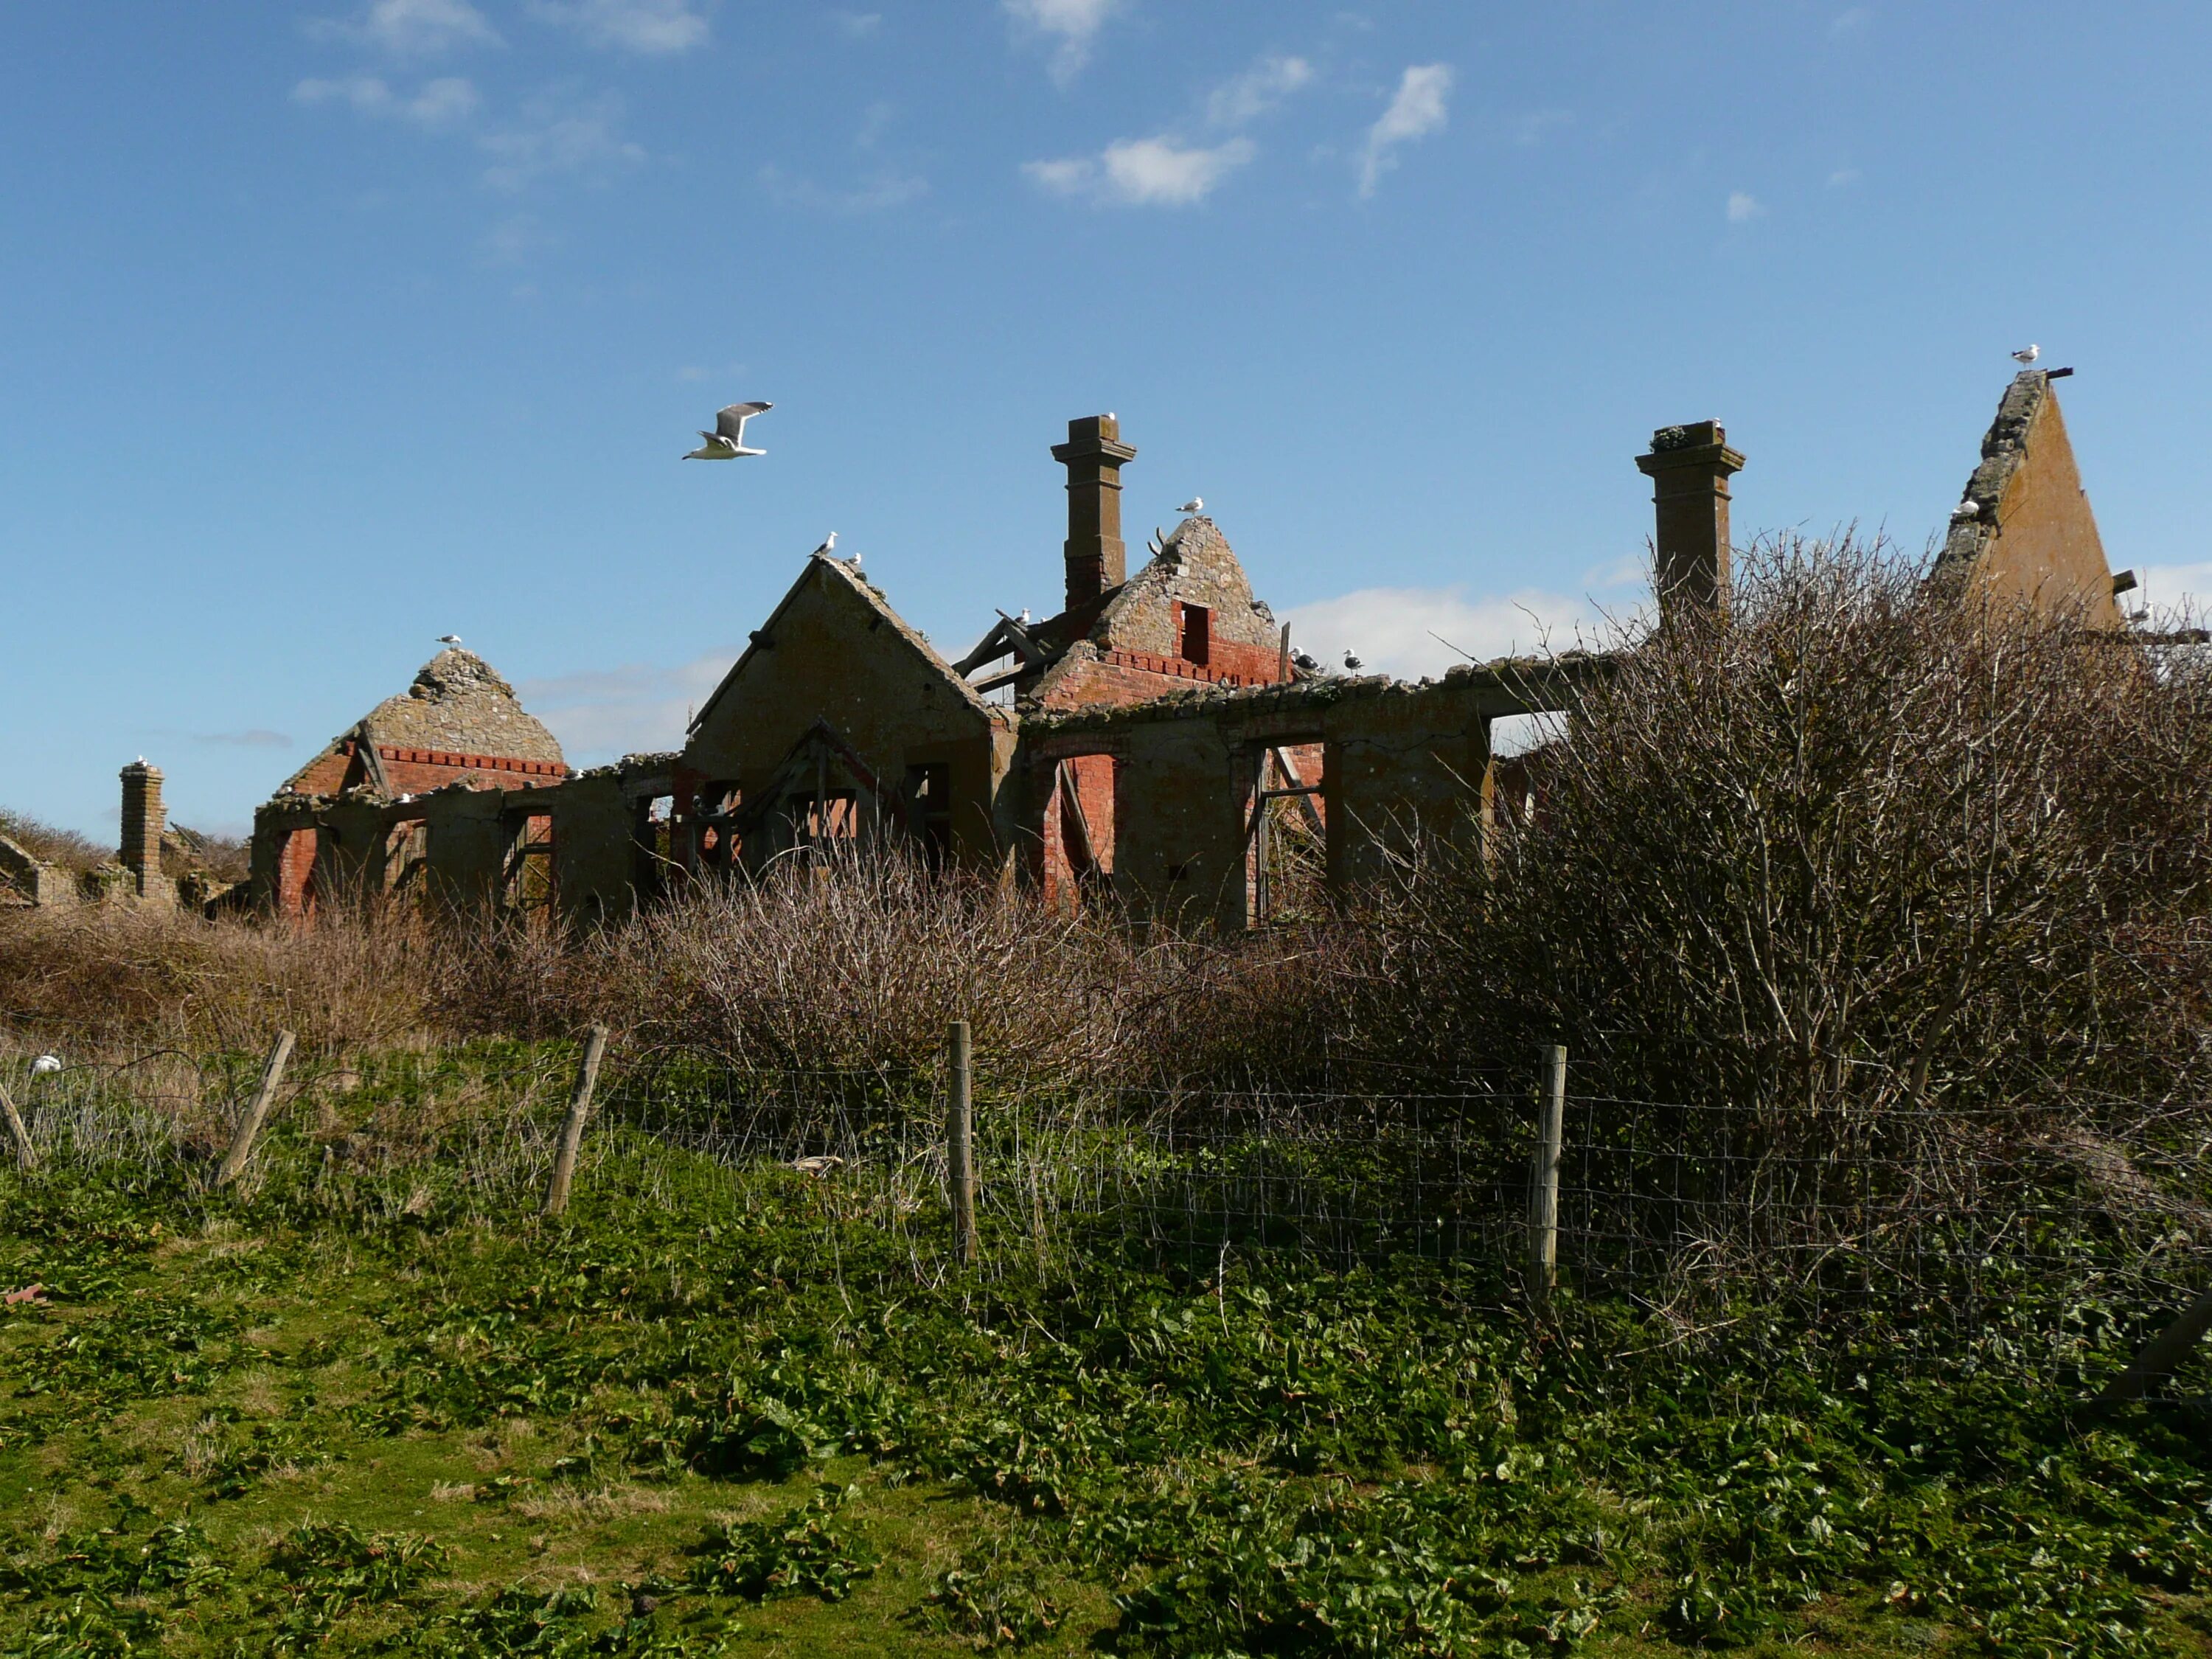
{"type": "Point", "coordinates": [1968, 508]}
{"type": "Point", "coordinates": [727, 441]}
{"type": "Point", "coordinates": [45, 1065]}
{"type": "Point", "coordinates": [829, 548]}
{"type": "Point", "coordinates": [2027, 354]}
{"type": "Point", "coordinates": [1196, 504]}
{"type": "Point", "coordinates": [449, 638]}
{"type": "Point", "coordinates": [1352, 662]}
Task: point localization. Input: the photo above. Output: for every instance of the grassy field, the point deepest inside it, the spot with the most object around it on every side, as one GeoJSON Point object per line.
{"type": "Point", "coordinates": [372, 1403]}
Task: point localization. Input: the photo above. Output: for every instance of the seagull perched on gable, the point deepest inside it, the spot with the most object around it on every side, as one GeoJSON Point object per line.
{"type": "Point", "coordinates": [2026, 355]}
{"type": "Point", "coordinates": [1196, 504]}
{"type": "Point", "coordinates": [829, 548]}
{"type": "Point", "coordinates": [449, 638]}
{"type": "Point", "coordinates": [727, 442]}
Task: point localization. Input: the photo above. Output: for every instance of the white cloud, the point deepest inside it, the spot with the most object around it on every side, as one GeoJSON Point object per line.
{"type": "Point", "coordinates": [584, 141]}
{"type": "Point", "coordinates": [878, 191]}
{"type": "Point", "coordinates": [414, 27]}
{"type": "Point", "coordinates": [601, 714]}
{"type": "Point", "coordinates": [1421, 107]}
{"type": "Point", "coordinates": [1145, 172]}
{"type": "Point", "coordinates": [1534, 127]}
{"type": "Point", "coordinates": [1394, 631]}
{"type": "Point", "coordinates": [1072, 25]}
{"type": "Point", "coordinates": [439, 103]}
{"type": "Point", "coordinates": [652, 28]}
{"type": "Point", "coordinates": [1062, 178]}
{"type": "Point", "coordinates": [1743, 207]}
{"type": "Point", "coordinates": [512, 240]}
{"type": "Point", "coordinates": [1259, 89]}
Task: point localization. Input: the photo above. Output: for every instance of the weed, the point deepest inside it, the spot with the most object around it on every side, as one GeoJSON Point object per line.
{"type": "Point", "coordinates": [796, 1554]}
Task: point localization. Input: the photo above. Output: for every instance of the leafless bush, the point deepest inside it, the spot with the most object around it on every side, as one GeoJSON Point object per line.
{"type": "Point", "coordinates": [859, 962]}
{"type": "Point", "coordinates": [112, 975]}
{"type": "Point", "coordinates": [1864, 845]}
{"type": "Point", "coordinates": [54, 846]}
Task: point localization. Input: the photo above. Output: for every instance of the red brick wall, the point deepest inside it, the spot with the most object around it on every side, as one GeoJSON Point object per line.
{"type": "Point", "coordinates": [1122, 676]}
{"type": "Point", "coordinates": [1092, 777]}
{"type": "Point", "coordinates": [296, 870]}
{"type": "Point", "coordinates": [419, 771]}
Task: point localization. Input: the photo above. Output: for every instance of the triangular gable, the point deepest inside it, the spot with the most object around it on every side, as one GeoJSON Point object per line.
{"type": "Point", "coordinates": [823, 568]}
{"type": "Point", "coordinates": [2030, 536]}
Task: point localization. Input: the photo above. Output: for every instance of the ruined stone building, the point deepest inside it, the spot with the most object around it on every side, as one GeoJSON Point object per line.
{"type": "Point", "coordinates": [1156, 742]}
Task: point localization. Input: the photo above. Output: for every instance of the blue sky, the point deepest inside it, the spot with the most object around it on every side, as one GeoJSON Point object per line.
{"type": "Point", "coordinates": [327, 329]}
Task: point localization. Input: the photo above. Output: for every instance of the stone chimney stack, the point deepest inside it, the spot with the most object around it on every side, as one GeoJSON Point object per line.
{"type": "Point", "coordinates": [1689, 467]}
{"type": "Point", "coordinates": [1093, 455]}
{"type": "Point", "coordinates": [143, 820]}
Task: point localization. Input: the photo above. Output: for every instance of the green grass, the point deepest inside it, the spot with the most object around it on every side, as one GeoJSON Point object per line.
{"type": "Point", "coordinates": [380, 1406]}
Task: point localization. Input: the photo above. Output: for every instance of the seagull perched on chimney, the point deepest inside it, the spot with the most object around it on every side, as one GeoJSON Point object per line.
{"type": "Point", "coordinates": [1196, 504]}
{"type": "Point", "coordinates": [829, 548]}
{"type": "Point", "coordinates": [2026, 355]}
{"type": "Point", "coordinates": [727, 442]}
{"type": "Point", "coordinates": [1352, 662]}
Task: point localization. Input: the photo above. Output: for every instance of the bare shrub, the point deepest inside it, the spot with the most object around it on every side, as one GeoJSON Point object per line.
{"type": "Point", "coordinates": [54, 846]}
{"type": "Point", "coordinates": [1862, 845]}
{"type": "Point", "coordinates": [853, 961]}
{"type": "Point", "coordinates": [115, 974]}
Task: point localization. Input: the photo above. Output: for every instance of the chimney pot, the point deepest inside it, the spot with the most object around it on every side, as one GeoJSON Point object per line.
{"type": "Point", "coordinates": [1689, 467]}
{"type": "Point", "coordinates": [1094, 455]}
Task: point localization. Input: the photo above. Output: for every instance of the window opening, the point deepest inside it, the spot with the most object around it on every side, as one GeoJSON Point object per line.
{"type": "Point", "coordinates": [406, 856]}
{"type": "Point", "coordinates": [929, 809]}
{"type": "Point", "coordinates": [1195, 641]}
{"type": "Point", "coordinates": [1286, 862]}
{"type": "Point", "coordinates": [528, 883]}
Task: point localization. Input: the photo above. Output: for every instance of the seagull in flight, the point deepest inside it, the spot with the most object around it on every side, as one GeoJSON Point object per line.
{"type": "Point", "coordinates": [2026, 355]}
{"type": "Point", "coordinates": [727, 442]}
{"type": "Point", "coordinates": [829, 548]}
{"type": "Point", "coordinates": [1352, 662]}
{"type": "Point", "coordinates": [1196, 504]}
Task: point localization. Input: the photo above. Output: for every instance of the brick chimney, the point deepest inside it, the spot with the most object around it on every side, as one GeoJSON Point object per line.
{"type": "Point", "coordinates": [143, 819]}
{"type": "Point", "coordinates": [1093, 456]}
{"type": "Point", "coordinates": [1689, 467]}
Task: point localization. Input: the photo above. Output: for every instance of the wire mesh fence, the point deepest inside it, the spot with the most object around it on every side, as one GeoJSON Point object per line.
{"type": "Point", "coordinates": [1949, 1221]}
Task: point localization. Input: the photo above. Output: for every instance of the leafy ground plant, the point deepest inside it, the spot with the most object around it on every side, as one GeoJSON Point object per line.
{"type": "Point", "coordinates": [490, 1434]}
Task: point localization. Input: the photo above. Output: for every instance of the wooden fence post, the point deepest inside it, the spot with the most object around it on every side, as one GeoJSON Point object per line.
{"type": "Point", "coordinates": [2165, 1354]}
{"type": "Point", "coordinates": [1543, 1178]}
{"type": "Point", "coordinates": [572, 1127]}
{"type": "Point", "coordinates": [960, 1140]}
{"type": "Point", "coordinates": [27, 1153]}
{"type": "Point", "coordinates": [257, 1111]}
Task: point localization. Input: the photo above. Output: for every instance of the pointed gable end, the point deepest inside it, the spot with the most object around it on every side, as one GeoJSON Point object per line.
{"type": "Point", "coordinates": [832, 651]}
{"type": "Point", "coordinates": [2029, 535]}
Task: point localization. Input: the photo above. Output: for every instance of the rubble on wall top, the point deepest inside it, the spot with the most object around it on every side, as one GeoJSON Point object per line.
{"type": "Point", "coordinates": [2004, 450]}
{"type": "Point", "coordinates": [1208, 698]}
